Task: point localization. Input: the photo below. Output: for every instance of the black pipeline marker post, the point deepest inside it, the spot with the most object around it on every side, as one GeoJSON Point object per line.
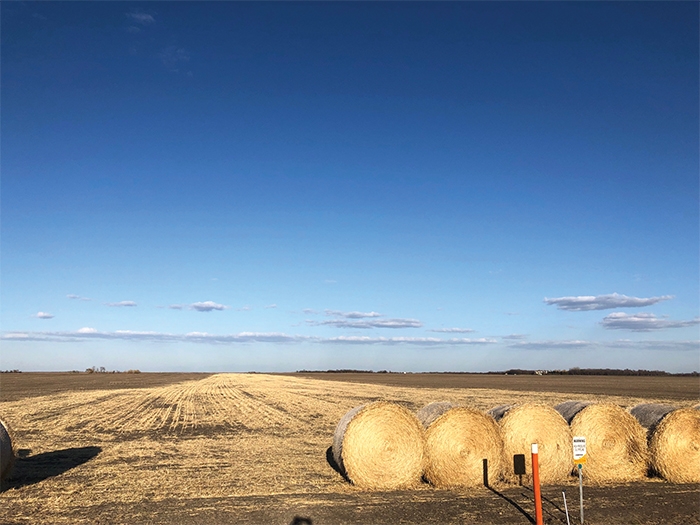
{"type": "Point", "coordinates": [519, 466]}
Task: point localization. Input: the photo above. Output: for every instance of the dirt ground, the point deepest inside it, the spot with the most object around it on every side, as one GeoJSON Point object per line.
{"type": "Point", "coordinates": [678, 388]}
{"type": "Point", "coordinates": [253, 448]}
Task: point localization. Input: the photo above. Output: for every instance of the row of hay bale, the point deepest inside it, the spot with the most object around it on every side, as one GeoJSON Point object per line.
{"type": "Point", "coordinates": [385, 446]}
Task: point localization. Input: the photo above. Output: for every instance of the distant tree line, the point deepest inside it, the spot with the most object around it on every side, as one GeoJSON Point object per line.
{"type": "Point", "coordinates": [618, 372]}
{"type": "Point", "coordinates": [103, 370]}
{"type": "Point", "coordinates": [576, 371]}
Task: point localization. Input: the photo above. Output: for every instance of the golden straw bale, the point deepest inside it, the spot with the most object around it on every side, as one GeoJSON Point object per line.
{"type": "Point", "coordinates": [529, 423]}
{"type": "Point", "coordinates": [7, 454]}
{"type": "Point", "coordinates": [458, 440]}
{"type": "Point", "coordinates": [674, 442]}
{"type": "Point", "coordinates": [380, 446]}
{"type": "Point", "coordinates": [616, 444]}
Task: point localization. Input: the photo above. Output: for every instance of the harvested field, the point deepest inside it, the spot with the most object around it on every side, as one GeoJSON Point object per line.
{"type": "Point", "coordinates": [254, 448]}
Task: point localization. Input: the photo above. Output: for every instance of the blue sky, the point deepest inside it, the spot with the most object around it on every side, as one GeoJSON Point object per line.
{"type": "Point", "coordinates": [407, 186]}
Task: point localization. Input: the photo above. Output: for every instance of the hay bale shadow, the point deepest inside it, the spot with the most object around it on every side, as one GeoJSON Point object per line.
{"type": "Point", "coordinates": [300, 520]}
{"type": "Point", "coordinates": [29, 470]}
{"type": "Point", "coordinates": [331, 462]}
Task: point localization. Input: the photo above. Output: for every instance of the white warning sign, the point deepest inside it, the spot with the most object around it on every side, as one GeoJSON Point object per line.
{"type": "Point", "coordinates": [579, 449]}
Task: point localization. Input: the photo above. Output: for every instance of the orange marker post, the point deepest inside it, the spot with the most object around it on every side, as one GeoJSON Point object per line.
{"type": "Point", "coordinates": [536, 486]}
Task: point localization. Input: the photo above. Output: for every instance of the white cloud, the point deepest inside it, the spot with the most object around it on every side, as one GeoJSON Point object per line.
{"type": "Point", "coordinates": [352, 315]}
{"type": "Point", "coordinates": [244, 308]}
{"type": "Point", "coordinates": [15, 335]}
{"type": "Point", "coordinates": [271, 306]}
{"type": "Point", "coordinates": [141, 18]}
{"type": "Point", "coordinates": [122, 303]}
{"type": "Point", "coordinates": [620, 344]}
{"type": "Point", "coordinates": [207, 306]}
{"type": "Point", "coordinates": [655, 345]}
{"type": "Point", "coordinates": [453, 330]}
{"type": "Point", "coordinates": [309, 311]}
{"type": "Point", "coordinates": [242, 337]}
{"type": "Point", "coordinates": [377, 323]}
{"type": "Point", "coordinates": [43, 315]}
{"type": "Point", "coordinates": [73, 296]}
{"type": "Point", "coordinates": [175, 306]}
{"type": "Point", "coordinates": [514, 337]}
{"type": "Point", "coordinates": [86, 334]}
{"type": "Point", "coordinates": [552, 345]}
{"type": "Point", "coordinates": [643, 322]}
{"type": "Point", "coordinates": [427, 341]}
{"type": "Point", "coordinates": [583, 303]}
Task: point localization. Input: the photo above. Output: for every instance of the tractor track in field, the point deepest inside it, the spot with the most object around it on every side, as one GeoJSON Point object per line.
{"type": "Point", "coordinates": [252, 448]}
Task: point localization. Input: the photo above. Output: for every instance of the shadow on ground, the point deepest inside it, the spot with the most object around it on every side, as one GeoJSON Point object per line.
{"type": "Point", "coordinates": [331, 462]}
{"type": "Point", "coordinates": [33, 469]}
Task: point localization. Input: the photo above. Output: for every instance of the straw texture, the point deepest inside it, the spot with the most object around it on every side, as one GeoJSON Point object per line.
{"type": "Point", "coordinates": [529, 423]}
{"type": "Point", "coordinates": [380, 446]}
{"type": "Point", "coordinates": [458, 440]}
{"type": "Point", "coordinates": [674, 442]}
{"type": "Point", "coordinates": [616, 444]}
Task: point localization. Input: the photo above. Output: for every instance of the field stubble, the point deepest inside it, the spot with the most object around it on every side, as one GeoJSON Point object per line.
{"type": "Point", "coordinates": [231, 443]}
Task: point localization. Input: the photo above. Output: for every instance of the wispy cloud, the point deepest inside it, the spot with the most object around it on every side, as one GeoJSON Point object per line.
{"type": "Point", "coordinates": [174, 56]}
{"type": "Point", "coordinates": [352, 315]}
{"type": "Point", "coordinates": [514, 337]}
{"type": "Point", "coordinates": [88, 333]}
{"type": "Point", "coordinates": [176, 306]}
{"type": "Point", "coordinates": [242, 337]}
{"type": "Point", "coordinates": [122, 303]}
{"type": "Point", "coordinates": [583, 303]}
{"type": "Point", "coordinates": [43, 315]}
{"type": "Point", "coordinates": [77, 297]}
{"type": "Point", "coordinates": [424, 341]}
{"type": "Point", "coordinates": [452, 330]}
{"type": "Point", "coordinates": [552, 345]}
{"type": "Point", "coordinates": [207, 306]}
{"type": "Point", "coordinates": [309, 311]}
{"type": "Point", "coordinates": [377, 323]}
{"type": "Point", "coordinates": [140, 18]}
{"type": "Point", "coordinates": [244, 308]}
{"type": "Point", "coordinates": [620, 344]}
{"type": "Point", "coordinates": [643, 322]}
{"type": "Point", "coordinates": [271, 306]}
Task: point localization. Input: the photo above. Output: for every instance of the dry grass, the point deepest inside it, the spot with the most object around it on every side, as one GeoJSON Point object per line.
{"type": "Point", "coordinates": [224, 436]}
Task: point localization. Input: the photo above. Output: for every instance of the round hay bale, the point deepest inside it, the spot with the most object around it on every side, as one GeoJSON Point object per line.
{"type": "Point", "coordinates": [458, 440]}
{"type": "Point", "coordinates": [7, 454]}
{"type": "Point", "coordinates": [616, 444]}
{"type": "Point", "coordinates": [529, 423]}
{"type": "Point", "coordinates": [380, 446]}
{"type": "Point", "coordinates": [649, 414]}
{"type": "Point", "coordinates": [674, 442]}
